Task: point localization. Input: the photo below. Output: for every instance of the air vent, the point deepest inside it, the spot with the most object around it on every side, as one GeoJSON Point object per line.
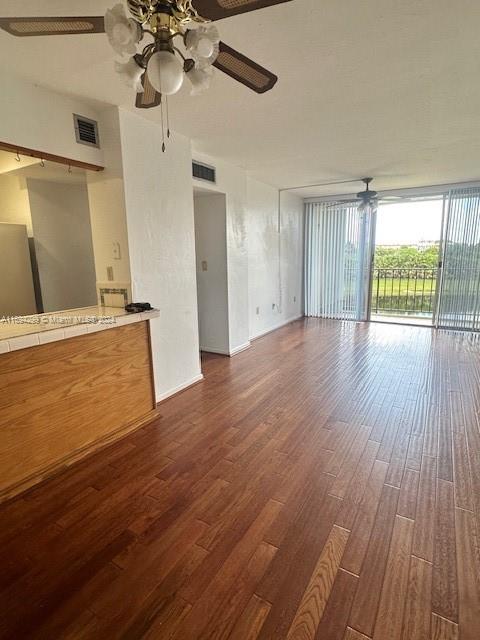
{"type": "Point", "coordinates": [204, 172]}
{"type": "Point", "coordinates": [86, 131]}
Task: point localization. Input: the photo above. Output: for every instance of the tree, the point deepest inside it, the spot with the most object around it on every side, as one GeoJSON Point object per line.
{"type": "Point", "coordinates": [406, 257]}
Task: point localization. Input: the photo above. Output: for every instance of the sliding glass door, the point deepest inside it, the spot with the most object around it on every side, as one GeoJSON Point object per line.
{"type": "Point", "coordinates": [459, 288]}
{"type": "Point", "coordinates": [339, 250]}
{"type": "Point", "coordinates": [338, 257]}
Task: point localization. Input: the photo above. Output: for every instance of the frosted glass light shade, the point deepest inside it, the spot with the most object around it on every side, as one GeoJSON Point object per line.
{"type": "Point", "coordinates": [123, 33]}
{"type": "Point", "coordinates": [131, 74]}
{"type": "Point", "coordinates": [369, 206]}
{"type": "Point", "coordinates": [200, 79]}
{"type": "Point", "coordinates": [165, 72]}
{"type": "Point", "coordinates": [202, 44]}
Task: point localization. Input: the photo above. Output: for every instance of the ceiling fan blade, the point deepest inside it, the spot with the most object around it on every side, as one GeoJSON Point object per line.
{"type": "Point", "coordinates": [218, 9]}
{"type": "Point", "coordinates": [52, 26]}
{"type": "Point", "coordinates": [149, 97]}
{"type": "Point", "coordinates": [244, 70]}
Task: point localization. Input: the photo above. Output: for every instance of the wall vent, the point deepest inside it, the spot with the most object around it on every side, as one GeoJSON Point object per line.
{"type": "Point", "coordinates": [86, 131]}
{"type": "Point", "coordinates": [204, 172]}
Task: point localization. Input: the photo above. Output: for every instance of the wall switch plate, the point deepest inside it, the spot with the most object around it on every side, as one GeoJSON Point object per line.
{"type": "Point", "coordinates": [116, 254]}
{"type": "Point", "coordinates": [204, 265]}
{"type": "Point", "coordinates": [110, 277]}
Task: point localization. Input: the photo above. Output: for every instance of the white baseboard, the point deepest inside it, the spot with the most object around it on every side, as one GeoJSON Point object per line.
{"type": "Point", "coordinates": [275, 327]}
{"type": "Point", "coordinates": [180, 387]}
{"type": "Point", "coordinates": [242, 347]}
{"type": "Point", "coordinates": [221, 352]}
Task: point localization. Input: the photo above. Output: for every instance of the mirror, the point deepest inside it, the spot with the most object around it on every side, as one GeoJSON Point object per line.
{"type": "Point", "coordinates": [46, 251]}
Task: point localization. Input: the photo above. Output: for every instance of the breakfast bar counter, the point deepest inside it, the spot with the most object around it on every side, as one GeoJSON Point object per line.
{"type": "Point", "coordinates": [70, 383]}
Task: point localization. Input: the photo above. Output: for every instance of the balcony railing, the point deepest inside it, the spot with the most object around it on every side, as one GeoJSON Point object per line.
{"type": "Point", "coordinates": [404, 291]}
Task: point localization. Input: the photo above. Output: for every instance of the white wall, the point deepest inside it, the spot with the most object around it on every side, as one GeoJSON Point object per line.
{"type": "Point", "coordinates": [63, 244]}
{"type": "Point", "coordinates": [275, 257]}
{"type": "Point", "coordinates": [212, 282]}
{"type": "Point", "coordinates": [159, 206]}
{"type": "Point", "coordinates": [107, 207]}
{"type": "Point", "coordinates": [17, 296]}
{"type": "Point", "coordinates": [36, 118]}
{"type": "Point", "coordinates": [256, 253]}
{"type": "Point", "coordinates": [14, 204]}
{"type": "Point", "coordinates": [232, 181]}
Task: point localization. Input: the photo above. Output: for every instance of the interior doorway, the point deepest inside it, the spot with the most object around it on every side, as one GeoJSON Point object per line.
{"type": "Point", "coordinates": [210, 215]}
{"type": "Point", "coordinates": [406, 270]}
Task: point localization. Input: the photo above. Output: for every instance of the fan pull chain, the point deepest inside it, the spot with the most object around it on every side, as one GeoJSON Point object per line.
{"type": "Point", "coordinates": [163, 125]}
{"type": "Point", "coordinates": [168, 118]}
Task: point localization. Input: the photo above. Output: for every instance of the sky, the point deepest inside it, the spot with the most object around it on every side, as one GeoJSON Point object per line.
{"type": "Point", "coordinates": [409, 222]}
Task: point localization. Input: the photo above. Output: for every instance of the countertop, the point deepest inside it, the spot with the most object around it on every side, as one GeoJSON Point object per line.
{"type": "Point", "coordinates": [21, 332]}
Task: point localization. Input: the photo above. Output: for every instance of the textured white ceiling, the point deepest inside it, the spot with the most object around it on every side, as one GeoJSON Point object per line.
{"type": "Point", "coordinates": [386, 88]}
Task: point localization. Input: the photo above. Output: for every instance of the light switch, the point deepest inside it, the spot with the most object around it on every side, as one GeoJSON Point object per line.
{"type": "Point", "coordinates": [117, 254]}
{"type": "Point", "coordinates": [204, 265]}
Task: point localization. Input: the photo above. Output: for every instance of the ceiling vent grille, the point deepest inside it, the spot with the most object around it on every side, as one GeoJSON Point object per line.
{"type": "Point", "coordinates": [86, 131]}
{"type": "Point", "coordinates": [204, 172]}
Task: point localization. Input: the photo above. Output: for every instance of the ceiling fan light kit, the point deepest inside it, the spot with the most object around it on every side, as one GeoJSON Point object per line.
{"type": "Point", "coordinates": [131, 73]}
{"type": "Point", "coordinates": [200, 79]}
{"type": "Point", "coordinates": [181, 41]}
{"type": "Point", "coordinates": [123, 33]}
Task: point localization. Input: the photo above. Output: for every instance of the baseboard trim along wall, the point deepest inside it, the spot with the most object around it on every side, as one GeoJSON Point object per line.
{"type": "Point", "coordinates": [231, 353]}
{"type": "Point", "coordinates": [242, 347]}
{"type": "Point", "coordinates": [179, 389]}
{"type": "Point", "coordinates": [277, 326]}
{"type": "Point", "coordinates": [221, 352]}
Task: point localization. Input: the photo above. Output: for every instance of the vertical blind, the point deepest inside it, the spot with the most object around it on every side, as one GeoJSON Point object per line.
{"type": "Point", "coordinates": [335, 250]}
{"type": "Point", "coordinates": [459, 295]}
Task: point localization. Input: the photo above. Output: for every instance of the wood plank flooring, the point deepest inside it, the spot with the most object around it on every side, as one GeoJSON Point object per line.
{"type": "Point", "coordinates": [323, 485]}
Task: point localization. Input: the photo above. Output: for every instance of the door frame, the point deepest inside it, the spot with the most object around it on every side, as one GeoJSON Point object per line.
{"type": "Point", "coordinates": [439, 280]}
{"type": "Point", "coordinates": [441, 258]}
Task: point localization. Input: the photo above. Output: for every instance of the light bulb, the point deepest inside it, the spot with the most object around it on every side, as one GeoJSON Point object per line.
{"type": "Point", "coordinates": [165, 72]}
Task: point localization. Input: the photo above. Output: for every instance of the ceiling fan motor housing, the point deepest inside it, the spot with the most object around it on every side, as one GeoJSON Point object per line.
{"type": "Point", "coordinates": [368, 195]}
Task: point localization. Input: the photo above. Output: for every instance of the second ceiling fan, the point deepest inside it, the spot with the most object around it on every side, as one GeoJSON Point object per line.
{"type": "Point", "coordinates": [183, 42]}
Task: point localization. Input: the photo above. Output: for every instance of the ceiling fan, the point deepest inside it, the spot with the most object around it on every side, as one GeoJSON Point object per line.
{"type": "Point", "coordinates": [366, 199]}
{"type": "Point", "coordinates": [183, 43]}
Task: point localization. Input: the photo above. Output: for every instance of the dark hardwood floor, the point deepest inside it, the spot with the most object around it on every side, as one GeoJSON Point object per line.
{"type": "Point", "coordinates": [323, 484]}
